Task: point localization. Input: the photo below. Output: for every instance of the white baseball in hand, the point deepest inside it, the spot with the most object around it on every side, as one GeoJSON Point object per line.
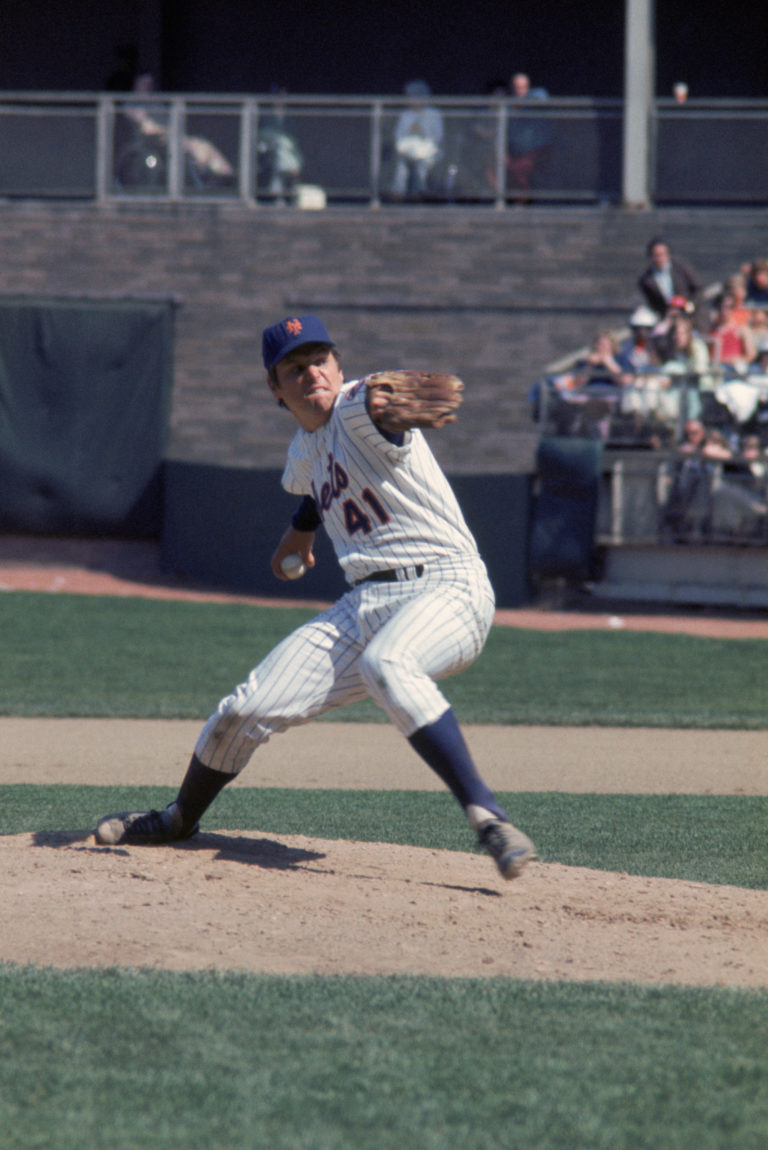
{"type": "Point", "coordinates": [292, 566]}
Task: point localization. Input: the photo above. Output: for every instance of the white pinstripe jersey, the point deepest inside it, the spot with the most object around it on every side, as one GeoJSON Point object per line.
{"type": "Point", "coordinates": [382, 505]}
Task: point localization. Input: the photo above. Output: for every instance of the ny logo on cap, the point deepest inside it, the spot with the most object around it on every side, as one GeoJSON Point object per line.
{"type": "Point", "coordinates": [294, 326]}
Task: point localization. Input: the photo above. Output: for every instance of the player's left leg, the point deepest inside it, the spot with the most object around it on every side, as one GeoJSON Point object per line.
{"type": "Point", "coordinates": [438, 633]}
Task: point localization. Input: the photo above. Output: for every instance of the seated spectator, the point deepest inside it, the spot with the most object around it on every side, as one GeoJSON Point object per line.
{"type": "Point", "coordinates": [674, 387]}
{"type": "Point", "coordinates": [638, 352]}
{"type": "Point", "coordinates": [754, 456]}
{"type": "Point", "coordinates": [759, 365]}
{"type": "Point", "coordinates": [278, 154]}
{"type": "Point", "coordinates": [730, 343]}
{"type": "Point", "coordinates": [740, 498]}
{"type": "Point", "coordinates": [666, 277]}
{"type": "Point", "coordinates": [714, 493]}
{"type": "Point", "coordinates": [473, 173]}
{"type": "Point", "coordinates": [686, 352]}
{"type": "Point", "coordinates": [601, 364]}
{"type": "Point", "coordinates": [418, 142]}
{"type": "Point", "coordinates": [688, 511]}
{"type": "Point", "coordinates": [757, 375]}
{"type": "Point", "coordinates": [146, 160]}
{"type": "Point", "coordinates": [757, 283]}
{"type": "Point", "coordinates": [716, 446]}
{"type": "Point", "coordinates": [706, 444]}
{"type": "Point", "coordinates": [662, 333]}
{"type": "Point", "coordinates": [758, 323]}
{"type": "Point", "coordinates": [585, 398]}
{"type": "Point", "coordinates": [529, 137]}
{"type": "Point", "coordinates": [735, 286]}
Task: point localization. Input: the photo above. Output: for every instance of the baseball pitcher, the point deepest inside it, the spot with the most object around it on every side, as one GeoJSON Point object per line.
{"type": "Point", "coordinates": [419, 604]}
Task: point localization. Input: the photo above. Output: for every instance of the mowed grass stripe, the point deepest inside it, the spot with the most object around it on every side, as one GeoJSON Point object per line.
{"type": "Point", "coordinates": [73, 655]}
{"type": "Point", "coordinates": [701, 838]}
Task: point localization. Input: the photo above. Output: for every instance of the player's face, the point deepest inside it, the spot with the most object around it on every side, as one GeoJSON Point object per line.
{"type": "Point", "coordinates": [308, 382]}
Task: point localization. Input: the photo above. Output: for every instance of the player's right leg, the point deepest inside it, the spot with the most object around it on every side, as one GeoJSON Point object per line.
{"type": "Point", "coordinates": [311, 671]}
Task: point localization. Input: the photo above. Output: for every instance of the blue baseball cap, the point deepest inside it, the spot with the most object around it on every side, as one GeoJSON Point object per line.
{"type": "Point", "coordinates": [282, 338]}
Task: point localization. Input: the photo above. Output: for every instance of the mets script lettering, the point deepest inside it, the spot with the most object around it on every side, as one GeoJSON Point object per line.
{"type": "Point", "coordinates": [356, 511]}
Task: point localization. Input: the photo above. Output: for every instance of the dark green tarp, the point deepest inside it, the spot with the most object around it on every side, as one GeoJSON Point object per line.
{"type": "Point", "coordinates": [564, 511]}
{"type": "Point", "coordinates": [85, 390]}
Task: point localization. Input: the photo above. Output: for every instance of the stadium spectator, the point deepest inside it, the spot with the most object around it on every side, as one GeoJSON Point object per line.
{"type": "Point", "coordinates": [601, 365]}
{"type": "Point", "coordinates": [752, 452]}
{"type": "Point", "coordinates": [759, 365]}
{"type": "Point", "coordinates": [638, 351]}
{"type": "Point", "coordinates": [730, 343]}
{"type": "Point", "coordinates": [739, 498]}
{"type": "Point", "coordinates": [418, 142]}
{"type": "Point", "coordinates": [688, 510]}
{"type": "Point", "coordinates": [694, 438]}
{"type": "Point", "coordinates": [736, 287]}
{"type": "Point", "coordinates": [758, 323]}
{"type": "Point", "coordinates": [757, 283]}
{"type": "Point", "coordinates": [472, 172]}
{"type": "Point", "coordinates": [529, 137]}
{"type": "Point", "coordinates": [716, 446]}
{"type": "Point", "coordinates": [662, 333]}
{"type": "Point", "coordinates": [684, 348]}
{"type": "Point", "coordinates": [279, 158]}
{"type": "Point", "coordinates": [666, 277]}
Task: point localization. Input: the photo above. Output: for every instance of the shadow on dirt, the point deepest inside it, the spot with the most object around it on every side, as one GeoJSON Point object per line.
{"type": "Point", "coordinates": [266, 853]}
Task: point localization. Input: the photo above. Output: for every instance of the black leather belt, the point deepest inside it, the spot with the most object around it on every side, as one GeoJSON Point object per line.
{"type": "Point", "coordinates": [393, 575]}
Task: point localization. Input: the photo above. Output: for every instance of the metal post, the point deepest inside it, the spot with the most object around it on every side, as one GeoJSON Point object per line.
{"type": "Point", "coordinates": [176, 149]}
{"type": "Point", "coordinates": [638, 102]}
{"type": "Point", "coordinates": [617, 502]}
{"type": "Point", "coordinates": [501, 157]}
{"type": "Point", "coordinates": [375, 168]}
{"type": "Point", "coordinates": [247, 165]}
{"type": "Point", "coordinates": [104, 124]}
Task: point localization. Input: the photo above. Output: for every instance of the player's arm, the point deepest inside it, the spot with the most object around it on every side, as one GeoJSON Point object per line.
{"type": "Point", "coordinates": [299, 537]}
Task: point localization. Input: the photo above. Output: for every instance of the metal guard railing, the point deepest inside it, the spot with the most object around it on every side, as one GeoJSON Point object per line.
{"type": "Point", "coordinates": [656, 488]}
{"type": "Point", "coordinates": [314, 150]}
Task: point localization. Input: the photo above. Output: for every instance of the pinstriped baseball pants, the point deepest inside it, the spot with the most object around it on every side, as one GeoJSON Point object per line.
{"type": "Point", "coordinates": [387, 640]}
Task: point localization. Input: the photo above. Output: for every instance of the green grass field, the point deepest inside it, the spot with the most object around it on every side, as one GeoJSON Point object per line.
{"type": "Point", "coordinates": [153, 1059]}
{"type": "Point", "coordinates": [120, 1059]}
{"type": "Point", "coordinates": [78, 655]}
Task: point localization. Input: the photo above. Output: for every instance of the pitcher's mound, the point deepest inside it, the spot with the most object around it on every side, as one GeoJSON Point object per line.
{"type": "Point", "coordinates": [290, 904]}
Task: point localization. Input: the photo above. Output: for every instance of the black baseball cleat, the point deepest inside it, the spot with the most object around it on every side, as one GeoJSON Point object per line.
{"type": "Point", "coordinates": [144, 828]}
{"type": "Point", "coordinates": [508, 847]}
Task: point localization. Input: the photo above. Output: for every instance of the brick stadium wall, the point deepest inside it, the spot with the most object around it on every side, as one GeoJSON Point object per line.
{"type": "Point", "coordinates": [491, 295]}
{"type": "Point", "coordinates": [494, 296]}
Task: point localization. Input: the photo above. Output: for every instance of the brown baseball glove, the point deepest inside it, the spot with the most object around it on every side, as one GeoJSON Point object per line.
{"type": "Point", "coordinates": [399, 400]}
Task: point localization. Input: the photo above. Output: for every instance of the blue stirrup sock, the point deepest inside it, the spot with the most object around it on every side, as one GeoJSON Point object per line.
{"type": "Point", "coordinates": [442, 746]}
{"type": "Point", "coordinates": [199, 788]}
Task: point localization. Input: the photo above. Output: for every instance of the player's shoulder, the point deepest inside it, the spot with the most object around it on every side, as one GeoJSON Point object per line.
{"type": "Point", "coordinates": [352, 410]}
{"type": "Point", "coordinates": [353, 391]}
{"type": "Point", "coordinates": [351, 406]}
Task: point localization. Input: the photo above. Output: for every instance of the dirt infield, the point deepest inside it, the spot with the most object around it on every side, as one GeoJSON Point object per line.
{"type": "Point", "coordinates": [245, 901]}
